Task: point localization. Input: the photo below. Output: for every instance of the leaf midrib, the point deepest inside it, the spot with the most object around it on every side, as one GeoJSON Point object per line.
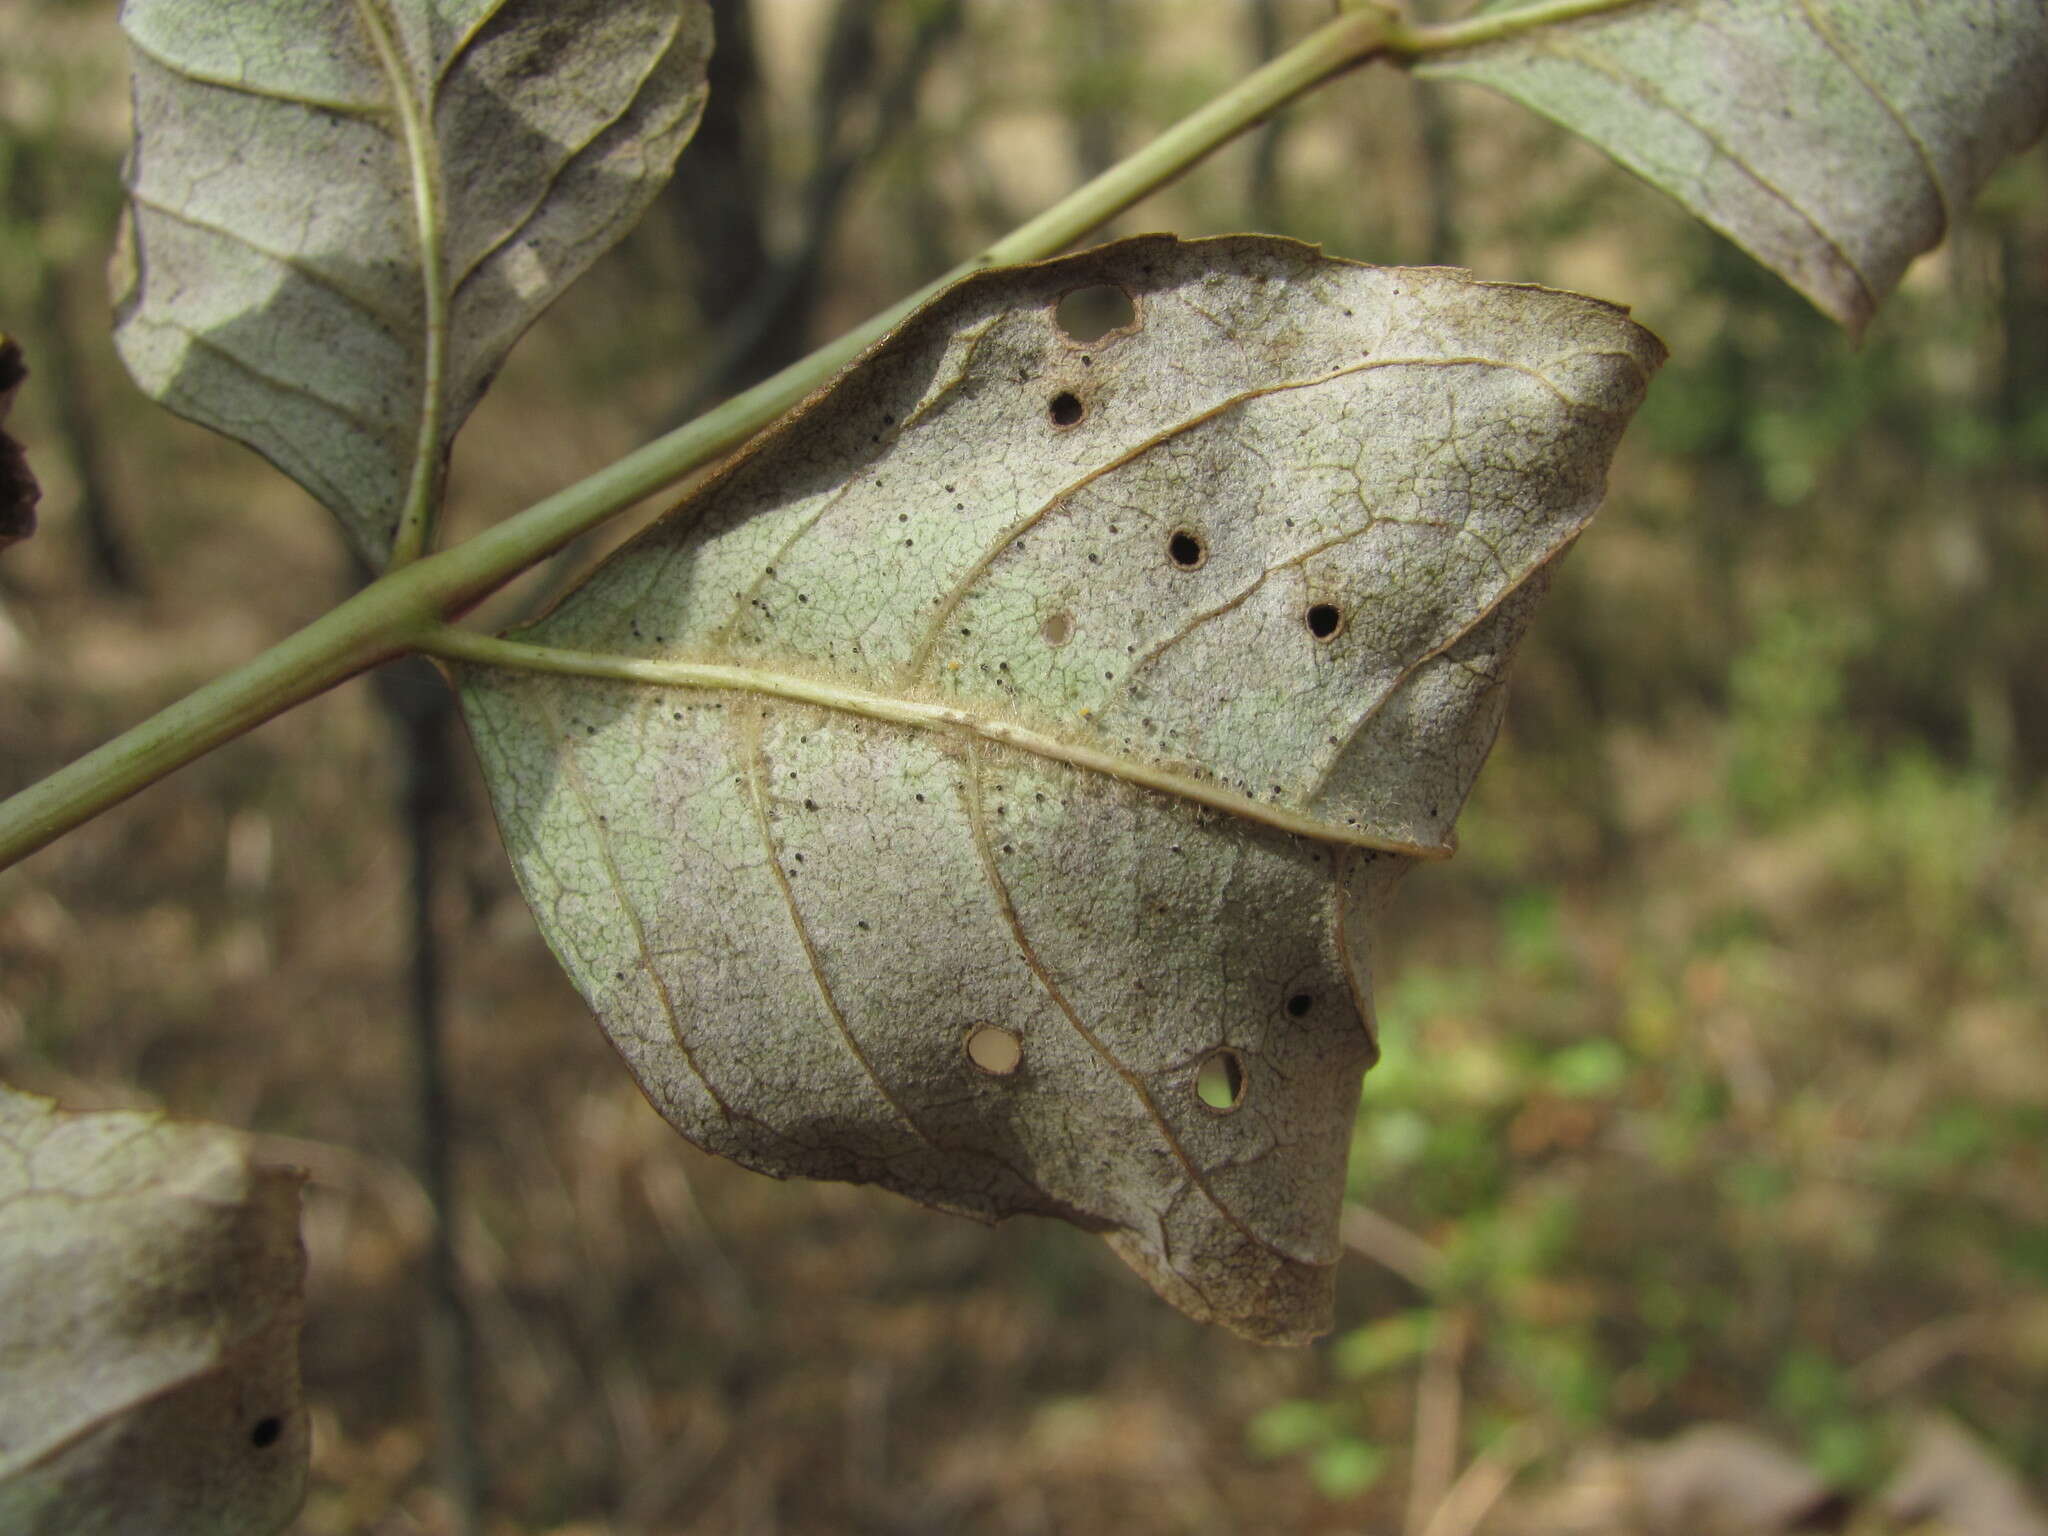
{"type": "Point", "coordinates": [484, 650]}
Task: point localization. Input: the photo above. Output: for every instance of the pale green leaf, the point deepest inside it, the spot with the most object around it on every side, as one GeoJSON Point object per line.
{"type": "Point", "coordinates": [1834, 140]}
{"type": "Point", "coordinates": [933, 798]}
{"type": "Point", "coordinates": [344, 214]}
{"type": "Point", "coordinates": [150, 1302]}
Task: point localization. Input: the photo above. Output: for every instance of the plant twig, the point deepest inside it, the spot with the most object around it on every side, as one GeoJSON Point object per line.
{"type": "Point", "coordinates": [1439, 1400]}
{"type": "Point", "coordinates": [1480, 1486]}
{"type": "Point", "coordinates": [388, 617]}
{"type": "Point", "coordinates": [422, 714]}
{"type": "Point", "coordinates": [1392, 1246]}
{"type": "Point", "coordinates": [1262, 181]}
{"type": "Point", "coordinates": [1913, 1355]}
{"type": "Point", "coordinates": [776, 311]}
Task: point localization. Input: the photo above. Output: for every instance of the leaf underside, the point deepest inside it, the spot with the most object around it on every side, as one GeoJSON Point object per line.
{"type": "Point", "coordinates": [151, 1285]}
{"type": "Point", "coordinates": [1083, 697]}
{"type": "Point", "coordinates": [282, 266]}
{"type": "Point", "coordinates": [1834, 140]}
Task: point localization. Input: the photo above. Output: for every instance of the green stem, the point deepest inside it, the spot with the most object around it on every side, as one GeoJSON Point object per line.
{"type": "Point", "coordinates": [370, 627]}
{"type": "Point", "coordinates": [392, 614]}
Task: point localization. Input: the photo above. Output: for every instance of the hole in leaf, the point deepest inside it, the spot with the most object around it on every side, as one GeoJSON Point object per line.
{"type": "Point", "coordinates": [1064, 408]}
{"type": "Point", "coordinates": [1088, 314]}
{"type": "Point", "coordinates": [266, 1432]}
{"type": "Point", "coordinates": [1219, 1082]}
{"type": "Point", "coordinates": [1186, 549]}
{"type": "Point", "coordinates": [1324, 620]}
{"type": "Point", "coordinates": [1299, 1005]}
{"type": "Point", "coordinates": [1058, 628]}
{"type": "Point", "coordinates": [997, 1051]}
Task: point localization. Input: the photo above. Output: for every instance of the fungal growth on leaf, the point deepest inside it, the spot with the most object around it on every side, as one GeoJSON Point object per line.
{"type": "Point", "coordinates": [996, 806]}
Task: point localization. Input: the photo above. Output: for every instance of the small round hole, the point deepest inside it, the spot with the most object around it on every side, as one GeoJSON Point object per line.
{"type": "Point", "coordinates": [1088, 314]}
{"type": "Point", "coordinates": [997, 1051]}
{"type": "Point", "coordinates": [1186, 549]}
{"type": "Point", "coordinates": [1219, 1082]}
{"type": "Point", "coordinates": [266, 1431]}
{"type": "Point", "coordinates": [1299, 1005]}
{"type": "Point", "coordinates": [1058, 628]}
{"type": "Point", "coordinates": [1064, 408]}
{"type": "Point", "coordinates": [1324, 620]}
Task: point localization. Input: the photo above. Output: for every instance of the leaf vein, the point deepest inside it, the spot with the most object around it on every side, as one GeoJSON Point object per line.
{"type": "Point", "coordinates": [757, 799]}
{"type": "Point", "coordinates": [1921, 150]}
{"type": "Point", "coordinates": [1646, 92]}
{"type": "Point", "coordinates": [600, 840]}
{"type": "Point", "coordinates": [517, 656]}
{"type": "Point", "coordinates": [544, 195]}
{"type": "Point", "coordinates": [293, 263]}
{"type": "Point", "coordinates": [972, 797]}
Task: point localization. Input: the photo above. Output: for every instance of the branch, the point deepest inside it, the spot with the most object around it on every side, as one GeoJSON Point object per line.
{"type": "Point", "coordinates": [392, 614]}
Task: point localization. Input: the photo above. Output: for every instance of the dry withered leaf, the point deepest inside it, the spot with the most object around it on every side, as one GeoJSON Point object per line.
{"type": "Point", "coordinates": [985, 787]}
{"type": "Point", "coordinates": [150, 1301]}
{"type": "Point", "coordinates": [1834, 140]}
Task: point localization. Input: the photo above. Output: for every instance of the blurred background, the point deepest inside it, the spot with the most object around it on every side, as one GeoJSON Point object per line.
{"type": "Point", "coordinates": [1716, 1076]}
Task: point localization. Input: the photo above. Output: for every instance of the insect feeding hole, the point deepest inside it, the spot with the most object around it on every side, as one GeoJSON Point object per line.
{"type": "Point", "coordinates": [1219, 1081]}
{"type": "Point", "coordinates": [997, 1051]}
{"type": "Point", "coordinates": [1186, 549]}
{"type": "Point", "coordinates": [1091, 313]}
{"type": "Point", "coordinates": [1324, 620]}
{"type": "Point", "coordinates": [1064, 408]}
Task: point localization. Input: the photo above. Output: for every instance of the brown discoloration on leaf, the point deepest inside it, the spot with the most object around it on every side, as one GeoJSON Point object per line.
{"type": "Point", "coordinates": [151, 1285]}
{"type": "Point", "coordinates": [985, 750]}
{"type": "Point", "coordinates": [19, 492]}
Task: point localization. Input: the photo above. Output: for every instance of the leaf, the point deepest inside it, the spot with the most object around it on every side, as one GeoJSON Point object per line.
{"type": "Point", "coordinates": [985, 787]}
{"type": "Point", "coordinates": [1834, 140]}
{"type": "Point", "coordinates": [19, 492]}
{"type": "Point", "coordinates": [150, 1302]}
{"type": "Point", "coordinates": [345, 214]}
